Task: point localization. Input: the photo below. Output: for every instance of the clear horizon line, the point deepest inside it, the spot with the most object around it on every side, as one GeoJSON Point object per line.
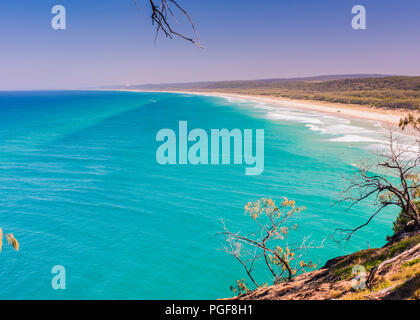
{"type": "Point", "coordinates": [365, 75]}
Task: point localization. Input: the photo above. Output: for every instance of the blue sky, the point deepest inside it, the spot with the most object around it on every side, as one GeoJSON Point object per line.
{"type": "Point", "coordinates": [111, 42]}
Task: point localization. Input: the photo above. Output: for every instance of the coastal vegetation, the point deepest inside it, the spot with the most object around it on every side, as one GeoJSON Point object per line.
{"type": "Point", "coordinates": [269, 243]}
{"type": "Point", "coordinates": [402, 160]}
{"type": "Point", "coordinates": [11, 240]}
{"type": "Point", "coordinates": [410, 120]}
{"type": "Point", "coordinates": [387, 92]}
{"type": "Point", "coordinates": [391, 272]}
{"type": "Point", "coordinates": [373, 181]}
{"type": "Point", "coordinates": [403, 221]}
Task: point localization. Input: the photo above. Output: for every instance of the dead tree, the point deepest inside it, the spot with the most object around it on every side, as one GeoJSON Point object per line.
{"type": "Point", "coordinates": [164, 14]}
{"type": "Point", "coordinates": [393, 181]}
{"type": "Point", "coordinates": [269, 243]}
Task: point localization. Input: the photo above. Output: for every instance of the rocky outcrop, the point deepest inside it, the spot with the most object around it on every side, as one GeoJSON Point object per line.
{"type": "Point", "coordinates": [392, 272]}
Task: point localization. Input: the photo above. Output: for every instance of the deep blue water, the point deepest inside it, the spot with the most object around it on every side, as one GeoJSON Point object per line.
{"type": "Point", "coordinates": [80, 187]}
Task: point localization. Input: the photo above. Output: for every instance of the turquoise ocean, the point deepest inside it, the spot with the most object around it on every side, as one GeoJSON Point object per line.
{"type": "Point", "coordinates": [80, 187]}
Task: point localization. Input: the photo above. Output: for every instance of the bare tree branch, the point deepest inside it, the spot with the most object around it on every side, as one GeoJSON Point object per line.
{"type": "Point", "coordinates": [161, 11]}
{"type": "Point", "coordinates": [400, 162]}
{"type": "Point", "coordinates": [280, 260]}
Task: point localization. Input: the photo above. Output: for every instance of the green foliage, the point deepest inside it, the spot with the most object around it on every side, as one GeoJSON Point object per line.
{"type": "Point", "coordinates": [369, 265]}
{"type": "Point", "coordinates": [372, 257]}
{"type": "Point", "coordinates": [402, 245]}
{"type": "Point", "coordinates": [367, 258]}
{"type": "Point", "coordinates": [402, 220]}
{"type": "Point", "coordinates": [393, 92]}
{"type": "Point", "coordinates": [411, 263]}
{"type": "Point", "coordinates": [240, 288]}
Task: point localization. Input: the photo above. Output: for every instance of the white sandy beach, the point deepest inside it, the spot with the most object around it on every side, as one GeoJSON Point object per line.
{"type": "Point", "coordinates": [387, 118]}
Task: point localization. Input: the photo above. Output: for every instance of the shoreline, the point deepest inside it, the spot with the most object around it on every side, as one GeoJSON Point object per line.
{"type": "Point", "coordinates": [387, 118]}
